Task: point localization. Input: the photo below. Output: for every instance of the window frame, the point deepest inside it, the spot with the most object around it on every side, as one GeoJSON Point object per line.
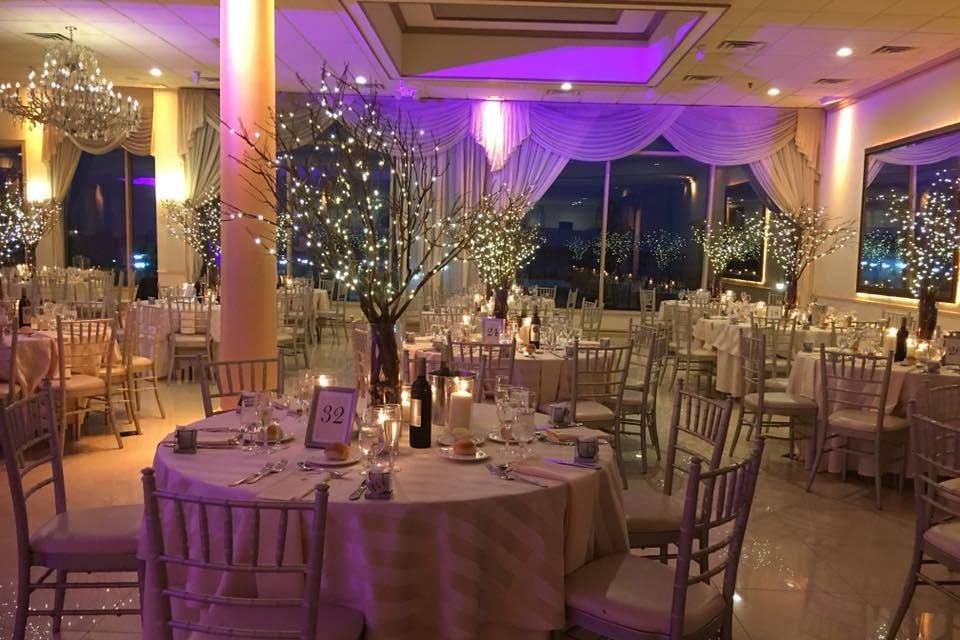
{"type": "Point", "coordinates": [912, 197]}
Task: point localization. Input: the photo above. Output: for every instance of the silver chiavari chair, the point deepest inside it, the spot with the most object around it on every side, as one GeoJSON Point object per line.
{"type": "Point", "coordinates": [75, 541]}
{"type": "Point", "coordinates": [640, 393]}
{"type": "Point", "coordinates": [497, 360]}
{"type": "Point", "coordinates": [692, 600]}
{"type": "Point", "coordinates": [226, 379]}
{"type": "Point", "coordinates": [591, 317]}
{"type": "Point", "coordinates": [854, 389]}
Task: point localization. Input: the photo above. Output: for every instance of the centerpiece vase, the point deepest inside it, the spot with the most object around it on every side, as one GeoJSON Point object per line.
{"type": "Point", "coordinates": [926, 314]}
{"type": "Point", "coordinates": [384, 363]}
{"type": "Point", "coordinates": [500, 296]}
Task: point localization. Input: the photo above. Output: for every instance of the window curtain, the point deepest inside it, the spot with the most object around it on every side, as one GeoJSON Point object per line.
{"type": "Point", "coordinates": [787, 178]}
{"type": "Point", "coordinates": [195, 108]}
{"type": "Point", "coordinates": [202, 162]}
{"type": "Point", "coordinates": [929, 151]}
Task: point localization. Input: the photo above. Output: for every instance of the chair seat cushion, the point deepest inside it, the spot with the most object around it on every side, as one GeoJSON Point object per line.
{"type": "Point", "coordinates": [779, 401]}
{"type": "Point", "coordinates": [80, 383]}
{"type": "Point", "coordinates": [637, 593]}
{"type": "Point", "coordinates": [862, 420]}
{"type": "Point", "coordinates": [698, 353]}
{"type": "Point", "coordinates": [945, 537]}
{"type": "Point", "coordinates": [592, 411]}
{"type": "Point", "coordinates": [198, 340]}
{"type": "Point", "coordinates": [98, 531]}
{"type": "Point", "coordinates": [138, 363]}
{"type": "Point", "coordinates": [776, 384]}
{"type": "Point", "coordinates": [650, 511]}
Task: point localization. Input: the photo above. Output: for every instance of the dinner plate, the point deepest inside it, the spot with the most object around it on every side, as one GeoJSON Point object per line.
{"type": "Point", "coordinates": [447, 452]}
{"type": "Point", "coordinates": [287, 437]}
{"type": "Point", "coordinates": [447, 440]}
{"type": "Point", "coordinates": [496, 437]}
{"type": "Point", "coordinates": [323, 462]}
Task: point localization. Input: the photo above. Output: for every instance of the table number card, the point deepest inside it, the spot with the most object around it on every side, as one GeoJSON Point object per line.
{"type": "Point", "coordinates": [331, 416]}
{"type": "Point", "coordinates": [492, 328]}
{"type": "Point", "coordinates": [951, 348]}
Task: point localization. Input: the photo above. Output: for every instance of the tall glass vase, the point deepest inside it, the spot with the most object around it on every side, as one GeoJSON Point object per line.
{"type": "Point", "coordinates": [384, 363]}
{"type": "Point", "coordinates": [926, 314]}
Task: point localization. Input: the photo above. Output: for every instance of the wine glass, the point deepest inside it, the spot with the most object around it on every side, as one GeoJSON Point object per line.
{"type": "Point", "coordinates": [506, 414]}
{"type": "Point", "coordinates": [524, 402]}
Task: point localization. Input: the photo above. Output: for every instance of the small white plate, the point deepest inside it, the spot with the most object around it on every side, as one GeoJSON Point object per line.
{"type": "Point", "coordinates": [496, 437]}
{"type": "Point", "coordinates": [447, 452]}
{"type": "Point", "coordinates": [323, 462]}
{"type": "Point", "coordinates": [447, 440]}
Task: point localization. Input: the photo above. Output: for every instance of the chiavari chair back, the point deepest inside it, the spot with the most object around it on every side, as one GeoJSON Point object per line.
{"type": "Point", "coordinates": [647, 365]}
{"type": "Point", "coordinates": [224, 380]}
{"type": "Point", "coordinates": [776, 299]}
{"type": "Point", "coordinates": [648, 306]}
{"type": "Point", "coordinates": [894, 318]}
{"type": "Point", "coordinates": [591, 317]}
{"type": "Point", "coordinates": [190, 330]}
{"type": "Point", "coordinates": [572, 298]}
{"type": "Point", "coordinates": [497, 360]}
{"type": "Point", "coordinates": [171, 549]}
{"type": "Point", "coordinates": [941, 403]}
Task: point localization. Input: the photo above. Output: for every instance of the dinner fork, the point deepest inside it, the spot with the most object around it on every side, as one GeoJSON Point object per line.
{"type": "Point", "coordinates": [251, 476]}
{"type": "Point", "coordinates": [505, 473]}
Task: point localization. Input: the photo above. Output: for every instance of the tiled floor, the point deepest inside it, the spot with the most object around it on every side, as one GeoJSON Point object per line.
{"type": "Point", "coordinates": [820, 566]}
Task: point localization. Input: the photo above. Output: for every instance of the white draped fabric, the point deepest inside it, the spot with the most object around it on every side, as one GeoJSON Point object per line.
{"type": "Point", "coordinates": [196, 108]}
{"type": "Point", "coordinates": [786, 178]}
{"type": "Point", "coordinates": [731, 135]}
{"type": "Point", "coordinates": [202, 162]}
{"type": "Point", "coordinates": [930, 151]}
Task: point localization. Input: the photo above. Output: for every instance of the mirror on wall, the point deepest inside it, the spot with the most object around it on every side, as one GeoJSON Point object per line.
{"type": "Point", "coordinates": [899, 177]}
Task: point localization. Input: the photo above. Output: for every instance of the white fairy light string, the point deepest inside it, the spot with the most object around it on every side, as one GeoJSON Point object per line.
{"type": "Point", "coordinates": [23, 225]}
{"type": "Point", "coordinates": [198, 224]}
{"type": "Point", "coordinates": [725, 243]}
{"type": "Point", "coordinates": [501, 251]}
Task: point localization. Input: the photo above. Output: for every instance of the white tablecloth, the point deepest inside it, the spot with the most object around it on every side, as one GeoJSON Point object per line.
{"type": "Point", "coordinates": [36, 359]}
{"type": "Point", "coordinates": [719, 334]}
{"type": "Point", "coordinates": [457, 553]}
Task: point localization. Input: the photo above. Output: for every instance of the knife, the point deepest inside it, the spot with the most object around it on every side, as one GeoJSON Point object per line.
{"type": "Point", "coordinates": [360, 490]}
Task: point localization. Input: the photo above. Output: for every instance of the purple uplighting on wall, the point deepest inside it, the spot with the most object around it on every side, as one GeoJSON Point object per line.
{"type": "Point", "coordinates": [145, 181]}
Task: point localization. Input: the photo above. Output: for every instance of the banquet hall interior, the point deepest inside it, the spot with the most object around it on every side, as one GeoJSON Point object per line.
{"type": "Point", "coordinates": [480, 319]}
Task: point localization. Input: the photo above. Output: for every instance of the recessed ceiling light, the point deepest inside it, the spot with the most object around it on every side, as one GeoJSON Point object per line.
{"type": "Point", "coordinates": [566, 86]}
{"type": "Point", "coordinates": [773, 91]}
{"type": "Point", "coordinates": [156, 72]}
{"type": "Point", "coordinates": [843, 52]}
{"type": "Point", "coordinates": [361, 79]}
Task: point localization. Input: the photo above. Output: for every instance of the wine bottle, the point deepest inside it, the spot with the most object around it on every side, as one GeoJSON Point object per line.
{"type": "Point", "coordinates": [420, 408]}
{"type": "Point", "coordinates": [444, 369]}
{"type": "Point", "coordinates": [23, 309]}
{"type": "Point", "coordinates": [535, 329]}
{"type": "Point", "coordinates": [901, 351]}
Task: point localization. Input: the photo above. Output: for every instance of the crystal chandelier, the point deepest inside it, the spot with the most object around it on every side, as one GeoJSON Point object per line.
{"type": "Point", "coordinates": [71, 94]}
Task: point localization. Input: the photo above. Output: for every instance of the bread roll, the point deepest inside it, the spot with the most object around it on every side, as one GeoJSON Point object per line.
{"type": "Point", "coordinates": [337, 451]}
{"type": "Point", "coordinates": [274, 432]}
{"type": "Point", "coordinates": [465, 448]}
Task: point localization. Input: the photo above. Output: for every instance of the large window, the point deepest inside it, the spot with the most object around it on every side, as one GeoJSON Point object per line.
{"type": "Point", "coordinates": [95, 212]}
{"type": "Point", "coordinates": [898, 179]}
{"type": "Point", "coordinates": [655, 203]}
{"type": "Point", "coordinates": [570, 215]}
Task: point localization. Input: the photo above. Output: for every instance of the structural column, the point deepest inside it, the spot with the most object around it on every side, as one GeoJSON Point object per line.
{"type": "Point", "coordinates": [247, 96]}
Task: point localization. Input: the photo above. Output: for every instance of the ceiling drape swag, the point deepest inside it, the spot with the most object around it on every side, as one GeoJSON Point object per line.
{"type": "Point", "coordinates": [930, 151]}
{"type": "Point", "coordinates": [787, 178]}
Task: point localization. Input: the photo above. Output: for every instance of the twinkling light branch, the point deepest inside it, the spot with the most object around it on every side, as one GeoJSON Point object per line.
{"type": "Point", "coordinates": [725, 243]}
{"type": "Point", "coordinates": [198, 223]}
{"type": "Point", "coordinates": [23, 225]}
{"type": "Point", "coordinates": [665, 247]}
{"type": "Point", "coordinates": [929, 236]}
{"type": "Point", "coordinates": [578, 248]}
{"type": "Point", "coordinates": [501, 251]}
{"type": "Point", "coordinates": [799, 238]}
{"type": "Point", "coordinates": [619, 246]}
{"type": "Point", "coordinates": [351, 169]}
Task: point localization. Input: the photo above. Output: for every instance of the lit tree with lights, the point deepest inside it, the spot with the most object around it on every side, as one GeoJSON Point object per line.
{"type": "Point", "coordinates": [928, 244]}
{"type": "Point", "coordinates": [500, 252]}
{"type": "Point", "coordinates": [24, 225]}
{"type": "Point", "coordinates": [361, 171]}
{"type": "Point", "coordinates": [799, 238]}
{"type": "Point", "coordinates": [619, 247]}
{"type": "Point", "coordinates": [665, 247]}
{"type": "Point", "coordinates": [578, 248]}
{"type": "Point", "coordinates": [725, 243]}
{"type": "Point", "coordinates": [198, 224]}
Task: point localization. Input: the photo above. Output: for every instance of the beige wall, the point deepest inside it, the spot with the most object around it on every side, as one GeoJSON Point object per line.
{"type": "Point", "coordinates": [924, 102]}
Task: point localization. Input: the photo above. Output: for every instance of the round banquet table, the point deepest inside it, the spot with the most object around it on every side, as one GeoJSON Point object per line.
{"type": "Point", "coordinates": [457, 552]}
{"type": "Point", "coordinates": [719, 334]}
{"type": "Point", "coordinates": [36, 359]}
{"type": "Point", "coordinates": [547, 373]}
{"type": "Point", "coordinates": [907, 382]}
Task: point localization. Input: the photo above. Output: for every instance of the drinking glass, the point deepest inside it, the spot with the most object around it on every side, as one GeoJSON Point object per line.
{"type": "Point", "coordinates": [371, 436]}
{"type": "Point", "coordinates": [524, 402]}
{"type": "Point", "coordinates": [506, 414]}
{"type": "Point", "coordinates": [391, 423]}
{"type": "Point", "coordinates": [247, 407]}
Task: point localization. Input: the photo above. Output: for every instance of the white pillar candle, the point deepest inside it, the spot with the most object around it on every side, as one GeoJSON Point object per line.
{"type": "Point", "coordinates": [890, 340]}
{"type": "Point", "coordinates": [405, 405]}
{"type": "Point", "coordinates": [460, 409]}
{"type": "Point", "coordinates": [911, 347]}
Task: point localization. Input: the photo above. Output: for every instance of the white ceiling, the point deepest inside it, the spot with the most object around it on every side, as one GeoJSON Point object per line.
{"type": "Point", "coordinates": [801, 37]}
